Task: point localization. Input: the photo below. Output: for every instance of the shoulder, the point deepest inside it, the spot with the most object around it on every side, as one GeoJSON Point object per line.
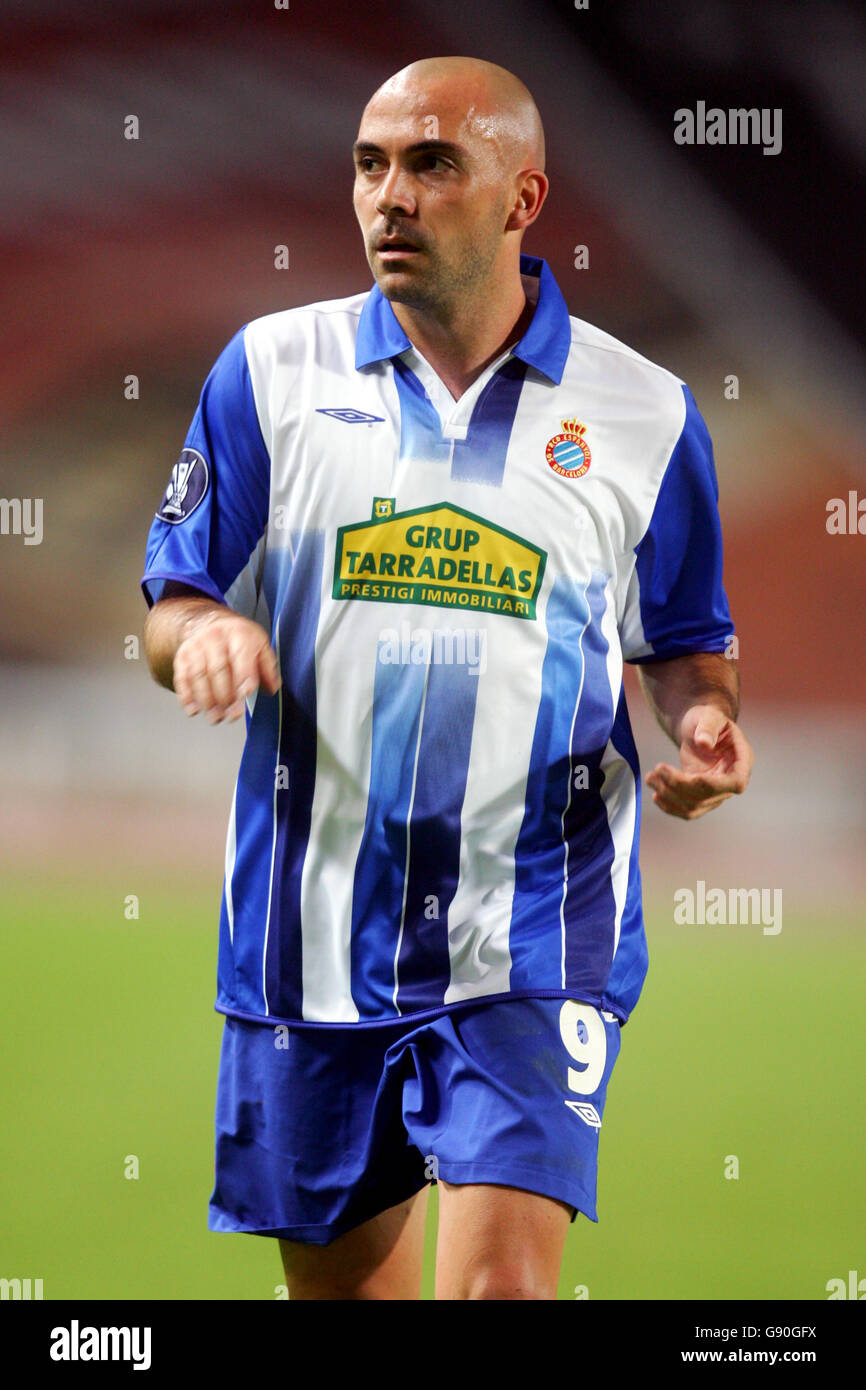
{"type": "Point", "coordinates": [280, 349]}
{"type": "Point", "coordinates": [652, 425]}
{"type": "Point", "coordinates": [642, 387]}
{"type": "Point", "coordinates": [326, 317]}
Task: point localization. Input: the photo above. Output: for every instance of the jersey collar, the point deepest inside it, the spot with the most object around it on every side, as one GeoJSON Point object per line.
{"type": "Point", "coordinates": [544, 345]}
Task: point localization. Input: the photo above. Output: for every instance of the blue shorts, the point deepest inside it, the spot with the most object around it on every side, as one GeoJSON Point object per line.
{"type": "Point", "coordinates": [319, 1129]}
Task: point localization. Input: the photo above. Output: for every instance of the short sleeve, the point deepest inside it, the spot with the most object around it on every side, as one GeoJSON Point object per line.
{"type": "Point", "coordinates": [214, 512]}
{"type": "Point", "coordinates": [676, 603]}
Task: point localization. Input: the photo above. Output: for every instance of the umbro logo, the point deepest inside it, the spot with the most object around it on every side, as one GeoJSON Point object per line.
{"type": "Point", "coordinates": [587, 1112]}
{"type": "Point", "coordinates": [349, 416]}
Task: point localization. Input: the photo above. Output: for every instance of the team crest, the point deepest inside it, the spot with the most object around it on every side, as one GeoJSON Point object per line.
{"type": "Point", "coordinates": [568, 453]}
{"type": "Point", "coordinates": [187, 486]}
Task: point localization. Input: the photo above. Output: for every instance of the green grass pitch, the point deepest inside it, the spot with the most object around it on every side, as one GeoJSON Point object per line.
{"type": "Point", "coordinates": [742, 1045]}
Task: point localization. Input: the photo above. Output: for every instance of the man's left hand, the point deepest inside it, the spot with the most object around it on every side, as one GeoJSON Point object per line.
{"type": "Point", "coordinates": [716, 762]}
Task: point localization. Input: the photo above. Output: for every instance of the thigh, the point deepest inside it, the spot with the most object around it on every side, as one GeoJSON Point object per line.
{"type": "Point", "coordinates": [310, 1141]}
{"type": "Point", "coordinates": [498, 1242]}
{"type": "Point", "coordinates": [380, 1259]}
{"type": "Point", "coordinates": [505, 1101]}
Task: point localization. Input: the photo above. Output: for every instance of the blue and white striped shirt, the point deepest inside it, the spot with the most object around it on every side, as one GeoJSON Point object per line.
{"type": "Point", "coordinates": [442, 802]}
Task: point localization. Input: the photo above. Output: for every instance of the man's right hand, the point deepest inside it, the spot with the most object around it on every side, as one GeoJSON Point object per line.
{"type": "Point", "coordinates": [223, 658]}
{"type": "Point", "coordinates": [209, 655]}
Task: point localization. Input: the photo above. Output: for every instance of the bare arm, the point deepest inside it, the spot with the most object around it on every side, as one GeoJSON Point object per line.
{"type": "Point", "coordinates": [210, 656]}
{"type": "Point", "coordinates": [696, 700]}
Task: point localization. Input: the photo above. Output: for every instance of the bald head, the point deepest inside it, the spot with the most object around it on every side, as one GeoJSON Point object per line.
{"type": "Point", "coordinates": [478, 99]}
{"type": "Point", "coordinates": [449, 173]}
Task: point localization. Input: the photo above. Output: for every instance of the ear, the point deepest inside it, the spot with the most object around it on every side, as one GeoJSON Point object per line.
{"type": "Point", "coordinates": [531, 191]}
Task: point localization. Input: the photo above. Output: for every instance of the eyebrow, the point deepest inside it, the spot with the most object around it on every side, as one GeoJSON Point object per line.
{"type": "Point", "coordinates": [446, 147]}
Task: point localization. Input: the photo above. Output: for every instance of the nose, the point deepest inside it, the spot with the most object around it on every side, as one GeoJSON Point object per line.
{"type": "Point", "coordinates": [395, 193]}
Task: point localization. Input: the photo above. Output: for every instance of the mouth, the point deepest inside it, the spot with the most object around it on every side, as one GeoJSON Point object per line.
{"type": "Point", "coordinates": [395, 249]}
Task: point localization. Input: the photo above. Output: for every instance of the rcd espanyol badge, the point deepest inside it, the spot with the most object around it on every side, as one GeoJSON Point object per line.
{"type": "Point", "coordinates": [568, 453]}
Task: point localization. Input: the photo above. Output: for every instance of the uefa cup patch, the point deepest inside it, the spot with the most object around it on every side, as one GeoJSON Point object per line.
{"type": "Point", "coordinates": [187, 486]}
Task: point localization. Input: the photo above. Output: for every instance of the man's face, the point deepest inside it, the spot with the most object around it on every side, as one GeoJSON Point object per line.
{"type": "Point", "coordinates": [431, 194]}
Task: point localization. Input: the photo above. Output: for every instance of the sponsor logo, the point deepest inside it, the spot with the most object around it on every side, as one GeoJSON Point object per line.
{"type": "Point", "coordinates": [587, 1112]}
{"type": "Point", "coordinates": [439, 555]}
{"type": "Point", "coordinates": [186, 489]}
{"type": "Point", "coordinates": [568, 453]}
{"type": "Point", "coordinates": [350, 416]}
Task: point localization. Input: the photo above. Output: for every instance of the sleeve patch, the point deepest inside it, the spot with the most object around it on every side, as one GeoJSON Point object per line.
{"type": "Point", "coordinates": [187, 487]}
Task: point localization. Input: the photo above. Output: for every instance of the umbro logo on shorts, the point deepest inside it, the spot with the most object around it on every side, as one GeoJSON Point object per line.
{"type": "Point", "coordinates": [587, 1112]}
{"type": "Point", "coordinates": [350, 416]}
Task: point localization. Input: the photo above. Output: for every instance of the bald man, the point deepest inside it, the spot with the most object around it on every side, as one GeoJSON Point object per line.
{"type": "Point", "coordinates": [443, 215]}
{"type": "Point", "coordinates": [414, 534]}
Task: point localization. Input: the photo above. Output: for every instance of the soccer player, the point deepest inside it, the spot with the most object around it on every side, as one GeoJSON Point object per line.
{"type": "Point", "coordinates": [413, 534]}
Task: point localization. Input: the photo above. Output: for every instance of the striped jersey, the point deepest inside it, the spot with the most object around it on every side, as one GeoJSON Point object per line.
{"type": "Point", "coordinates": [442, 802]}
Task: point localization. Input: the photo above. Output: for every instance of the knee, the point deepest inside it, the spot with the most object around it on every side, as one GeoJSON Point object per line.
{"type": "Point", "coordinates": [504, 1280]}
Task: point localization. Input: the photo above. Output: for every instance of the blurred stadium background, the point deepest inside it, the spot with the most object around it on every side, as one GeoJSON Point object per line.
{"type": "Point", "coordinates": [143, 257]}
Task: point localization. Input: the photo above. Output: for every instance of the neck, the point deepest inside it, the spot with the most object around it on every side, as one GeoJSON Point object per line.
{"type": "Point", "coordinates": [460, 344]}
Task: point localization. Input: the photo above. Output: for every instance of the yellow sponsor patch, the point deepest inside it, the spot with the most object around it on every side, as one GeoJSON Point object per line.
{"type": "Point", "coordinates": [440, 555]}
